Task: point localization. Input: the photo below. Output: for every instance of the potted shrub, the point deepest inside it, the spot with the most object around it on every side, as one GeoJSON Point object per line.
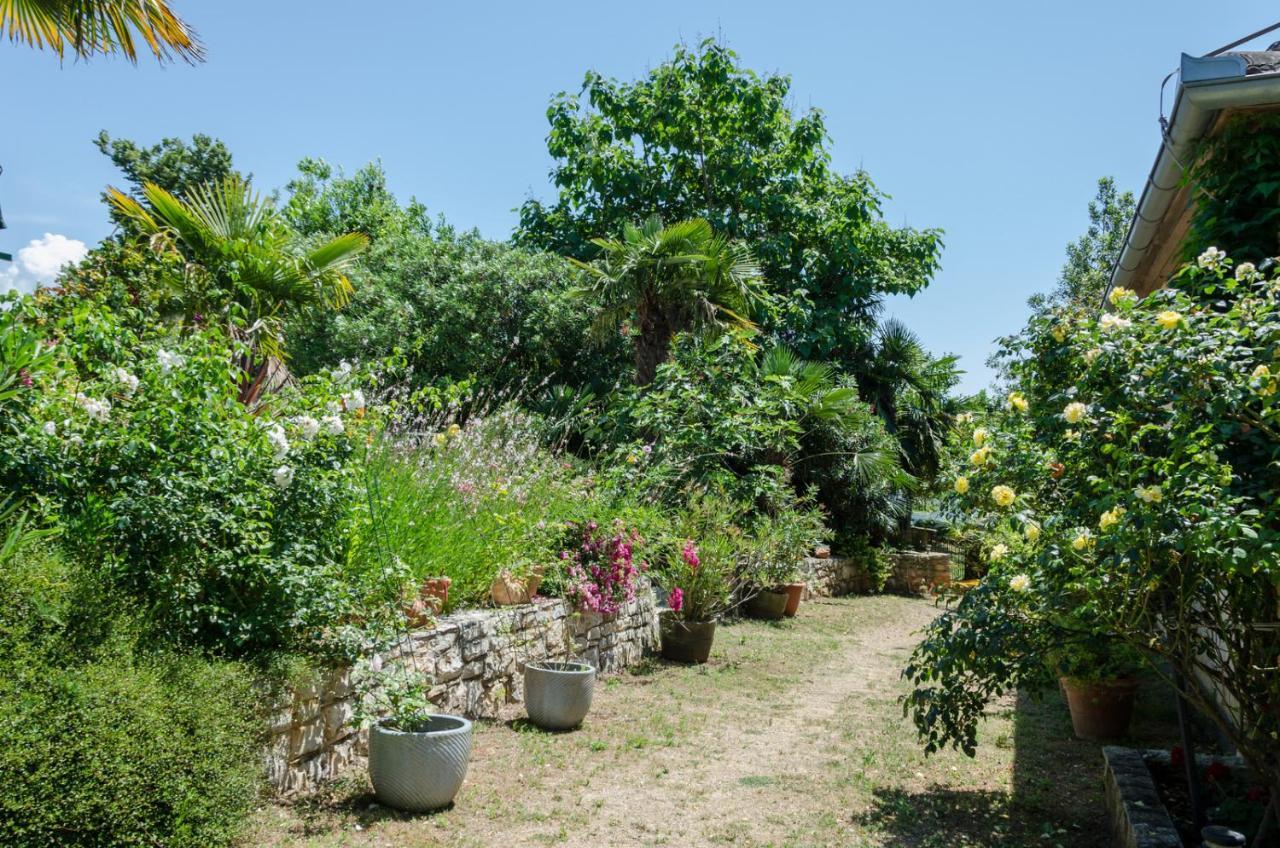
{"type": "Point", "coordinates": [698, 593]}
{"type": "Point", "coordinates": [557, 695]}
{"type": "Point", "coordinates": [600, 571]}
{"type": "Point", "coordinates": [1099, 681]}
{"type": "Point", "coordinates": [434, 592]}
{"type": "Point", "coordinates": [795, 594]}
{"type": "Point", "coordinates": [417, 759]}
{"type": "Point", "coordinates": [772, 556]}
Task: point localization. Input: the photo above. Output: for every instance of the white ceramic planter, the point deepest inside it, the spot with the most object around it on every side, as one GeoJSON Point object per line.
{"type": "Point", "coordinates": [422, 769]}
{"type": "Point", "coordinates": [557, 695]}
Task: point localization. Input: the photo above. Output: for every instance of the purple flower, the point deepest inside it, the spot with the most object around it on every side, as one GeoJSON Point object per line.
{"type": "Point", "coordinates": [675, 599]}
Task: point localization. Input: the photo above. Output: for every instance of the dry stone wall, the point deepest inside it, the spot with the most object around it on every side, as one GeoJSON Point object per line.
{"type": "Point", "coordinates": [831, 577]}
{"type": "Point", "coordinates": [918, 571]}
{"type": "Point", "coordinates": [475, 659]}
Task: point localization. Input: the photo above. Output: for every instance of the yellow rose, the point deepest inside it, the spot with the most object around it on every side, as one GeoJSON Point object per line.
{"type": "Point", "coordinates": [1110, 518]}
{"type": "Point", "coordinates": [1003, 495]}
{"type": "Point", "coordinates": [1169, 320]}
{"type": "Point", "coordinates": [1032, 532]}
{"type": "Point", "coordinates": [1020, 583]}
{"type": "Point", "coordinates": [980, 437]}
{"type": "Point", "coordinates": [980, 457]}
{"type": "Point", "coordinates": [1074, 412]}
{"type": "Point", "coordinates": [1119, 295]}
{"type": "Point", "coordinates": [1266, 384]}
{"type": "Point", "coordinates": [998, 552]}
{"type": "Point", "coordinates": [1149, 494]}
{"type": "Point", "coordinates": [962, 485]}
{"type": "Point", "coordinates": [1082, 540]}
{"type": "Point", "coordinates": [1017, 402]}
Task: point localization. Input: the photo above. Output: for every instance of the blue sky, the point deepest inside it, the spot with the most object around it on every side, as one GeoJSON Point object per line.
{"type": "Point", "coordinates": [990, 120]}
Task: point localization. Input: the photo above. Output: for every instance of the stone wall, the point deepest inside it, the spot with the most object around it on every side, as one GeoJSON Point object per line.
{"type": "Point", "coordinates": [475, 659]}
{"type": "Point", "coordinates": [831, 577]}
{"type": "Point", "coordinates": [918, 571]}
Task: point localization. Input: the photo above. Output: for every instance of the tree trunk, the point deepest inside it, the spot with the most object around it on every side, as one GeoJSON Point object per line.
{"type": "Point", "coordinates": [652, 343]}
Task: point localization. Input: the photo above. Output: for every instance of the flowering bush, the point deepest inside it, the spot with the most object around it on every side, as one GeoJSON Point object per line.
{"type": "Point", "coordinates": [600, 568]}
{"type": "Point", "coordinates": [226, 523]}
{"type": "Point", "coordinates": [698, 561]}
{"type": "Point", "coordinates": [1130, 489]}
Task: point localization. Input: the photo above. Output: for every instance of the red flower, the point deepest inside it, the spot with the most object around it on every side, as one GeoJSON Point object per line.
{"type": "Point", "coordinates": [1216, 772]}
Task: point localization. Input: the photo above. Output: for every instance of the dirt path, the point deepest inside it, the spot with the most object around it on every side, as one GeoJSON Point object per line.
{"type": "Point", "coordinates": [791, 735]}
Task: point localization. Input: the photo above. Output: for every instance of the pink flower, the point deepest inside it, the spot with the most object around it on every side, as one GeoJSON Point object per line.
{"type": "Point", "coordinates": [691, 555]}
{"type": "Point", "coordinates": [675, 600]}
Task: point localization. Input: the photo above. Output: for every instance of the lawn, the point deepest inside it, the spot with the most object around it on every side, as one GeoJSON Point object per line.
{"type": "Point", "coordinates": [792, 735]}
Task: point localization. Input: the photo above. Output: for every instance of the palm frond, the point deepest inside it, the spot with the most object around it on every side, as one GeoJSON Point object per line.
{"type": "Point", "coordinates": [86, 28]}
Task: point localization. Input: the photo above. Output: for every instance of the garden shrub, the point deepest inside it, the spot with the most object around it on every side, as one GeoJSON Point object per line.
{"type": "Point", "coordinates": [226, 523]}
{"type": "Point", "coordinates": [1127, 489]}
{"type": "Point", "coordinates": [107, 743]}
{"type": "Point", "coordinates": [122, 751]}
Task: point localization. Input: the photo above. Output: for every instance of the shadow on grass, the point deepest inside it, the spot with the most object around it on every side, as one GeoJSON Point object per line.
{"type": "Point", "coordinates": [1057, 794]}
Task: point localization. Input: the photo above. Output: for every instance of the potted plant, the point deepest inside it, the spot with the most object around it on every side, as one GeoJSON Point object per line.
{"type": "Point", "coordinates": [417, 759]}
{"type": "Point", "coordinates": [434, 592]}
{"type": "Point", "coordinates": [698, 592]}
{"type": "Point", "coordinates": [557, 694]}
{"type": "Point", "coordinates": [515, 586]}
{"type": "Point", "coordinates": [771, 560]}
{"type": "Point", "coordinates": [795, 594]}
{"type": "Point", "coordinates": [600, 571]}
{"type": "Point", "coordinates": [1099, 680]}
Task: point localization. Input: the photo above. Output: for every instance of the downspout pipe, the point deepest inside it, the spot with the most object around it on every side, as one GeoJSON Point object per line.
{"type": "Point", "coordinates": [1206, 86]}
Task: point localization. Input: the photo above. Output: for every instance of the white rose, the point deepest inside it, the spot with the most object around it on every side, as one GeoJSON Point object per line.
{"type": "Point", "coordinates": [282, 477]}
{"type": "Point", "coordinates": [307, 426]}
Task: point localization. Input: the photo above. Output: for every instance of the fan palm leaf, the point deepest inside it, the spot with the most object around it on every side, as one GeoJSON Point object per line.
{"type": "Point", "coordinates": [86, 28]}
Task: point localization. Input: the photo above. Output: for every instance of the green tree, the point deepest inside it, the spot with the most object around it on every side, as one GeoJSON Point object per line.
{"type": "Point", "coordinates": [86, 28]}
{"type": "Point", "coordinates": [245, 264]}
{"type": "Point", "coordinates": [1091, 257]}
{"type": "Point", "coordinates": [173, 164]}
{"type": "Point", "coordinates": [668, 280]}
{"type": "Point", "coordinates": [325, 202]}
{"type": "Point", "coordinates": [703, 137]}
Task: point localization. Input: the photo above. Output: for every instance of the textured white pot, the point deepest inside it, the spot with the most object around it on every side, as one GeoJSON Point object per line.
{"type": "Point", "coordinates": [422, 769]}
{"type": "Point", "coordinates": [557, 695]}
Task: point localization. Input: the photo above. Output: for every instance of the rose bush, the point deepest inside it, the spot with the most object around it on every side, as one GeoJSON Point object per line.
{"type": "Point", "coordinates": [1128, 489]}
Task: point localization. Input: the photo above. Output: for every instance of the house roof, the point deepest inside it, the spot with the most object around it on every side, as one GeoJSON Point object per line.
{"type": "Point", "coordinates": [1209, 89]}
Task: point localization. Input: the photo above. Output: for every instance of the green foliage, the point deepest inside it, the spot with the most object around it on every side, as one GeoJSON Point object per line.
{"type": "Point", "coordinates": [108, 746]}
{"type": "Point", "coordinates": [172, 164]}
{"type": "Point", "coordinates": [702, 137]}
{"type": "Point", "coordinates": [668, 280]}
{"type": "Point", "coordinates": [242, 261]}
{"type": "Point", "coordinates": [1090, 258]}
{"type": "Point", "coordinates": [227, 526]}
{"type": "Point", "coordinates": [1129, 492]}
{"type": "Point", "coordinates": [1236, 186]}
{"type": "Point", "coordinates": [324, 204]}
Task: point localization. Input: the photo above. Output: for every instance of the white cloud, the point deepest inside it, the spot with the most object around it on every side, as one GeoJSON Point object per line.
{"type": "Point", "coordinates": [39, 262]}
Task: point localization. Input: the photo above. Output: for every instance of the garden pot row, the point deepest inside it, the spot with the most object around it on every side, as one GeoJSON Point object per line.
{"type": "Point", "coordinates": [421, 767]}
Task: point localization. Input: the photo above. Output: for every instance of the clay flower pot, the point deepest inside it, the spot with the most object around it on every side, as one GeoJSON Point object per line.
{"type": "Point", "coordinates": [557, 695]}
{"type": "Point", "coordinates": [767, 604]}
{"type": "Point", "coordinates": [686, 641]}
{"type": "Point", "coordinates": [421, 768]}
{"type": "Point", "coordinates": [822, 552]}
{"type": "Point", "coordinates": [1100, 709]}
{"type": "Point", "coordinates": [509, 590]}
{"type": "Point", "coordinates": [795, 592]}
{"type": "Point", "coordinates": [434, 592]}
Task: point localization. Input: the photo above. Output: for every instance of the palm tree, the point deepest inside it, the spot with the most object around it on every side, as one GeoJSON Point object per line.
{"type": "Point", "coordinates": [244, 262]}
{"type": "Point", "coordinates": [668, 280]}
{"type": "Point", "coordinates": [86, 28]}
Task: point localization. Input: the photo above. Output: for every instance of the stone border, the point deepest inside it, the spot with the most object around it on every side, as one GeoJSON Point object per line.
{"type": "Point", "coordinates": [1137, 816]}
{"type": "Point", "coordinates": [830, 577]}
{"type": "Point", "coordinates": [476, 661]}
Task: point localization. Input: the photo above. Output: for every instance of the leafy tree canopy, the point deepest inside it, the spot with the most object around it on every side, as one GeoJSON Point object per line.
{"type": "Point", "coordinates": [1091, 257]}
{"type": "Point", "coordinates": [173, 164]}
{"type": "Point", "coordinates": [703, 137]}
{"type": "Point", "coordinates": [324, 202]}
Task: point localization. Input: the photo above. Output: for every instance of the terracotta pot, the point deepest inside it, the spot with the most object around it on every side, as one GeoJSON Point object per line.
{"type": "Point", "coordinates": [435, 592]}
{"type": "Point", "coordinates": [509, 590]}
{"type": "Point", "coordinates": [1100, 709]}
{"type": "Point", "coordinates": [687, 641]}
{"type": "Point", "coordinates": [767, 604]}
{"type": "Point", "coordinates": [795, 591]}
{"type": "Point", "coordinates": [822, 552]}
